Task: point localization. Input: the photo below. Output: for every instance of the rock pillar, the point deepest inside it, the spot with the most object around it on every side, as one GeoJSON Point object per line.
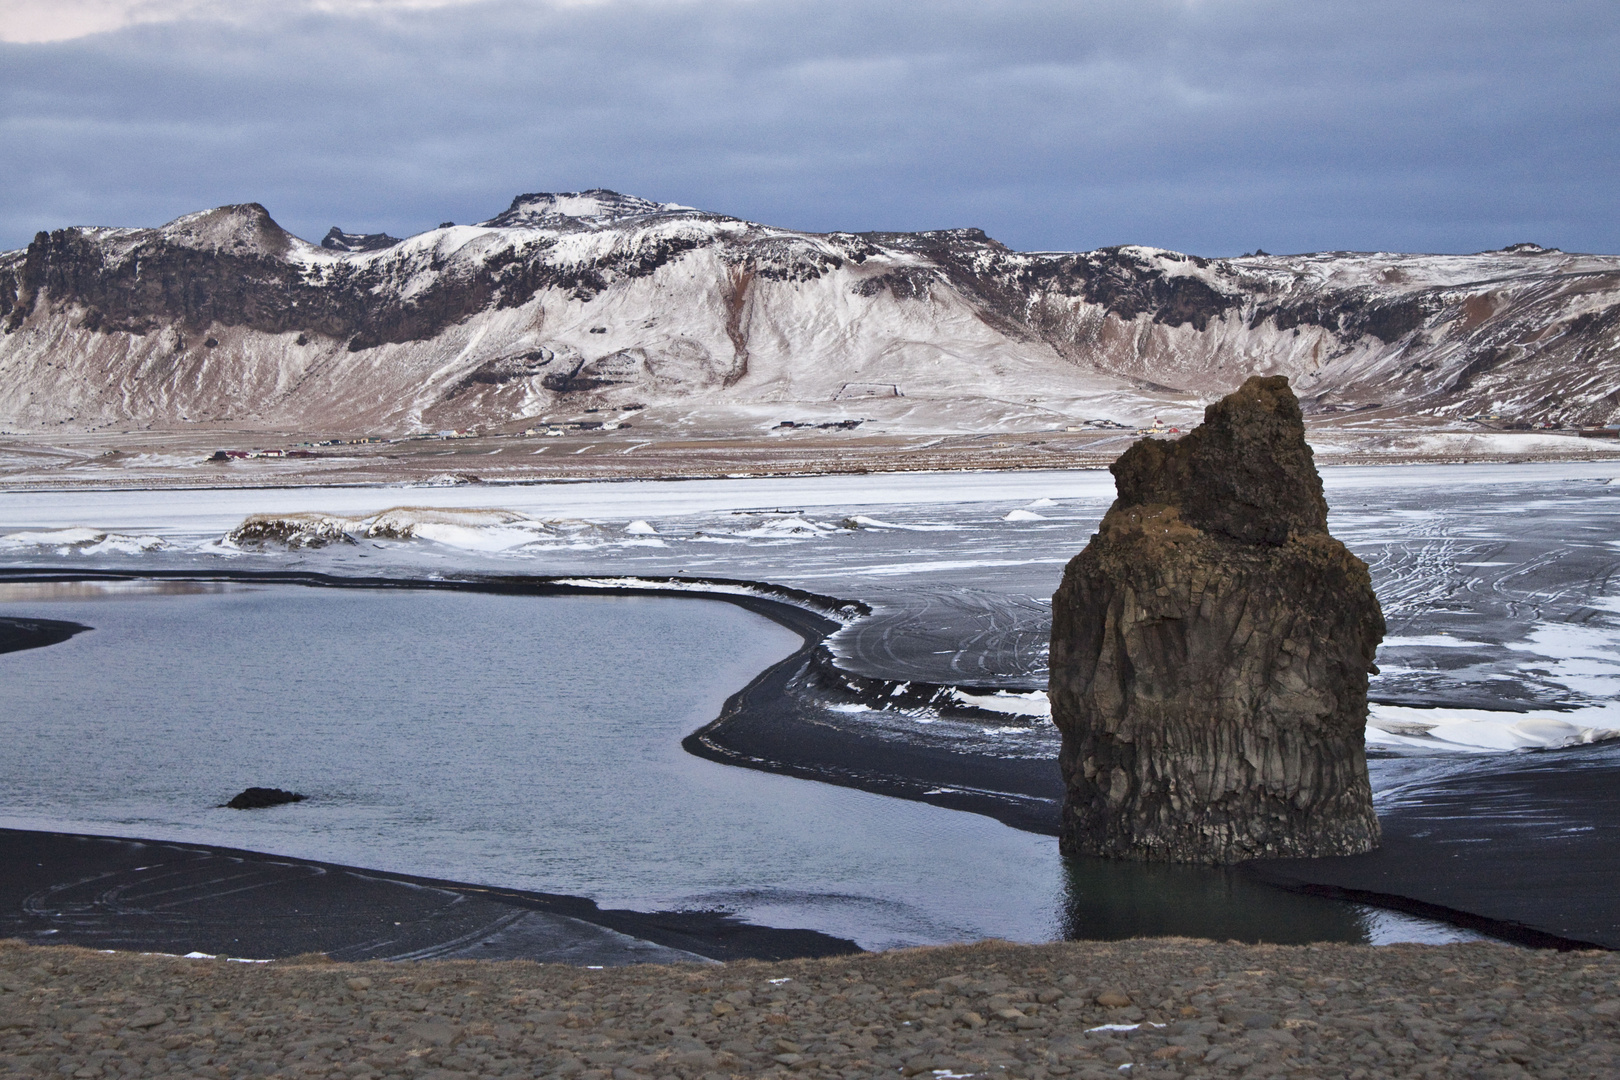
{"type": "Point", "coordinates": [1210, 653]}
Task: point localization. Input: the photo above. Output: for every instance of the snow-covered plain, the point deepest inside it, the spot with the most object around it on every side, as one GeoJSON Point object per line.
{"type": "Point", "coordinates": [1504, 630]}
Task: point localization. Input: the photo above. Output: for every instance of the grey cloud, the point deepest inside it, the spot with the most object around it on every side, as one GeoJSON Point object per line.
{"type": "Point", "coordinates": [1208, 126]}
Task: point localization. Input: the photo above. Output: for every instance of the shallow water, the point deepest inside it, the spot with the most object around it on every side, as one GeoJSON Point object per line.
{"type": "Point", "coordinates": [522, 741]}
{"type": "Point", "coordinates": [533, 743]}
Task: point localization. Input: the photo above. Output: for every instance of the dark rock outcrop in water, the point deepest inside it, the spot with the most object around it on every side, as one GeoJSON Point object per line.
{"type": "Point", "coordinates": [257, 798]}
{"type": "Point", "coordinates": [1210, 653]}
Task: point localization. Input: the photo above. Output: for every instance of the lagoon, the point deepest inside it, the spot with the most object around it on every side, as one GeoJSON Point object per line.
{"type": "Point", "coordinates": [534, 742]}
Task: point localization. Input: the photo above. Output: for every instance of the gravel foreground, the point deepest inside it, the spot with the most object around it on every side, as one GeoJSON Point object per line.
{"type": "Point", "coordinates": [1162, 1008]}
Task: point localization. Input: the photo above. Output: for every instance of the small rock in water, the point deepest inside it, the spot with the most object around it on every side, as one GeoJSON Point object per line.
{"type": "Point", "coordinates": [257, 798]}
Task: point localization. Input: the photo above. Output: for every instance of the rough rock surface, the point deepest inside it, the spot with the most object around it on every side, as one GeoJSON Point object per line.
{"type": "Point", "coordinates": [1168, 1008]}
{"type": "Point", "coordinates": [257, 798]}
{"type": "Point", "coordinates": [1210, 653]}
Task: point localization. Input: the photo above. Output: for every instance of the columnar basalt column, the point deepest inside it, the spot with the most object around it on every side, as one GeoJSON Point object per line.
{"type": "Point", "coordinates": [1210, 653]}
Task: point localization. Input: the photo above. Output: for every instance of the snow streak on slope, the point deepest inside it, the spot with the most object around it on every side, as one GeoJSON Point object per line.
{"type": "Point", "coordinates": [596, 300]}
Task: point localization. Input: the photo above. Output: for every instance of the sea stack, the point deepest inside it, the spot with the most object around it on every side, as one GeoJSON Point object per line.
{"type": "Point", "coordinates": [1210, 653]}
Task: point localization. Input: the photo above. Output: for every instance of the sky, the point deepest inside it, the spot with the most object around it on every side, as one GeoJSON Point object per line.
{"type": "Point", "coordinates": [1209, 126]}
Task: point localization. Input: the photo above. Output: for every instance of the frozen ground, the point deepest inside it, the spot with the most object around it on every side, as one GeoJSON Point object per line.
{"type": "Point", "coordinates": [1496, 580]}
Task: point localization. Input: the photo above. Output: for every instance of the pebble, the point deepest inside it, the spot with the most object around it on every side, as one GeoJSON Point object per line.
{"type": "Point", "coordinates": [1169, 1008]}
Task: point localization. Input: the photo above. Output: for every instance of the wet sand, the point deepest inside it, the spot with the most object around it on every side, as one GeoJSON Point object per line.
{"type": "Point", "coordinates": [777, 724]}
{"type": "Point", "coordinates": [1522, 846]}
{"type": "Point", "coordinates": [154, 896]}
{"type": "Point", "coordinates": [18, 634]}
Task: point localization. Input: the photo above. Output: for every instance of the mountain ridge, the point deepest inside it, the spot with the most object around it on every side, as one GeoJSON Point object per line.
{"type": "Point", "coordinates": [596, 299]}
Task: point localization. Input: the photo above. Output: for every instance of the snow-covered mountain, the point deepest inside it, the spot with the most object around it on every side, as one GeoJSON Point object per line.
{"type": "Point", "coordinates": [601, 300]}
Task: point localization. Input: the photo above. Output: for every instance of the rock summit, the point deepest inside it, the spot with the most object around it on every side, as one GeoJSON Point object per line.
{"type": "Point", "coordinates": [1210, 653]}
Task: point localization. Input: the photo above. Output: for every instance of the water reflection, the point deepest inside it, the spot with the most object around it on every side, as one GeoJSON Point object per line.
{"type": "Point", "coordinates": [33, 592]}
{"type": "Point", "coordinates": [1108, 900]}
{"type": "Point", "coordinates": [1115, 899]}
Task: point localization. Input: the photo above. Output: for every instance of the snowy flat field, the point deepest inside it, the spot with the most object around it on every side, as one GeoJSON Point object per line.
{"type": "Point", "coordinates": [1498, 581]}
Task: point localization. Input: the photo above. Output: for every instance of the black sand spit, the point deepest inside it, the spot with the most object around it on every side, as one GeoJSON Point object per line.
{"type": "Point", "coordinates": [19, 634]}
{"type": "Point", "coordinates": [111, 893]}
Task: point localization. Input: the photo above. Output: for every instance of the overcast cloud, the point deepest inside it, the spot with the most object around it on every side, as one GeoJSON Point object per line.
{"type": "Point", "coordinates": [1211, 126]}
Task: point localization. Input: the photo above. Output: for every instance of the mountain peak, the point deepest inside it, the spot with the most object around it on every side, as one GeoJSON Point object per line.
{"type": "Point", "coordinates": [595, 207]}
{"type": "Point", "coordinates": [240, 229]}
{"type": "Point", "coordinates": [1525, 248]}
{"type": "Point", "coordinates": [338, 240]}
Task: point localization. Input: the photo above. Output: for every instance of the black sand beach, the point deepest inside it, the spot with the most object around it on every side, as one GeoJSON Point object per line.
{"type": "Point", "coordinates": [1523, 846]}
{"type": "Point", "coordinates": [775, 725]}
{"type": "Point", "coordinates": [19, 634]}
{"type": "Point", "coordinates": [151, 896]}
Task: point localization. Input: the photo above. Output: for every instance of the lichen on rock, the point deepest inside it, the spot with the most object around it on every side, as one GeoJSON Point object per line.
{"type": "Point", "coordinates": [1210, 653]}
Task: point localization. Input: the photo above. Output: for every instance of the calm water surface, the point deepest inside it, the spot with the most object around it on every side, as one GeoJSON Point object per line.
{"type": "Point", "coordinates": [535, 743]}
{"type": "Point", "coordinates": [521, 741]}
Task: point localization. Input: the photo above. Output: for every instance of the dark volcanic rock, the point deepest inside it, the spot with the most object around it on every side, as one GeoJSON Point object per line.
{"type": "Point", "coordinates": [289, 530]}
{"type": "Point", "coordinates": [257, 798]}
{"type": "Point", "coordinates": [338, 240]}
{"type": "Point", "coordinates": [1210, 653]}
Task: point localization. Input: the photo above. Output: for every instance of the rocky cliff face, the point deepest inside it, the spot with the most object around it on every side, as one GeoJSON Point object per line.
{"type": "Point", "coordinates": [601, 299]}
{"type": "Point", "coordinates": [1210, 653]}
